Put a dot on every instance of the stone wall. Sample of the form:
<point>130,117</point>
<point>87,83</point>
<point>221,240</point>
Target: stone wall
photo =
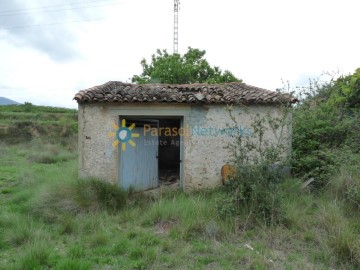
<point>204,152</point>
<point>97,157</point>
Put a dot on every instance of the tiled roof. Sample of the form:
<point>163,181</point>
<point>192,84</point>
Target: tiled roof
<point>226,93</point>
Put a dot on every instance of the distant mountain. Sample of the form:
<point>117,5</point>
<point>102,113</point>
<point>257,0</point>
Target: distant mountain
<point>6,101</point>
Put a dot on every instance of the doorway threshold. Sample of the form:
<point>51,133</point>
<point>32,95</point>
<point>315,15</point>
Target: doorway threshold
<point>162,188</point>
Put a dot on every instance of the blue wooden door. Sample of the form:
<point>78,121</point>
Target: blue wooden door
<point>139,164</point>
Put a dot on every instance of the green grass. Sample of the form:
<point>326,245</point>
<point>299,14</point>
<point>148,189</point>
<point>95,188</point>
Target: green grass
<point>50,219</point>
<point>22,123</point>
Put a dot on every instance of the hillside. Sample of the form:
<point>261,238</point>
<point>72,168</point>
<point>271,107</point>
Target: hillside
<point>6,101</point>
<point>52,219</point>
<point>21,123</point>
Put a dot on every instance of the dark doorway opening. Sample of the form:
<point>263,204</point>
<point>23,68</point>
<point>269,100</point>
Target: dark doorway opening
<point>169,151</point>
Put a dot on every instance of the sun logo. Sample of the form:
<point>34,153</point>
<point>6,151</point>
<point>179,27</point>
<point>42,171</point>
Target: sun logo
<point>123,135</point>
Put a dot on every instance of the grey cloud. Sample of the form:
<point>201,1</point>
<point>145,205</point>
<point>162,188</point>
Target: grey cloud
<point>55,40</point>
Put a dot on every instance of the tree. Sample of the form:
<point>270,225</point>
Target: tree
<point>346,91</point>
<point>192,67</point>
<point>326,128</point>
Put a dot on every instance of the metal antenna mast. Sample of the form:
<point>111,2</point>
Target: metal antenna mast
<point>176,25</point>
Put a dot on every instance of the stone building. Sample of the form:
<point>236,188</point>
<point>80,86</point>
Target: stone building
<point>142,136</point>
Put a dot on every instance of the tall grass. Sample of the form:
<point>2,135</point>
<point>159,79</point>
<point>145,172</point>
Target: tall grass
<point>346,185</point>
<point>78,197</point>
<point>188,216</point>
<point>50,219</point>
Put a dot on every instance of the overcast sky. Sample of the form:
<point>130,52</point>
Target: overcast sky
<point>51,49</point>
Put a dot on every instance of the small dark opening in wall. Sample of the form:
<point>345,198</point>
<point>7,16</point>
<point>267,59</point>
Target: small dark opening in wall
<point>169,151</point>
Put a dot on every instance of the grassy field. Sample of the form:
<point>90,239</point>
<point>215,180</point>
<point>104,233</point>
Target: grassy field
<point>21,123</point>
<point>50,219</point>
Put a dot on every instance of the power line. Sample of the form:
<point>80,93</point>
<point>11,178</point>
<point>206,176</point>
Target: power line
<point>59,10</point>
<point>45,7</point>
<point>49,24</point>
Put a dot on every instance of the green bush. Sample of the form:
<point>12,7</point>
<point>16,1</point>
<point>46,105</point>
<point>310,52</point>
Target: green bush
<point>261,165</point>
<point>255,191</point>
<point>346,91</point>
<point>319,164</point>
<point>325,123</point>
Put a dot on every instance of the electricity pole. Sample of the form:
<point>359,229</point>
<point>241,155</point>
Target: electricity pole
<point>176,25</point>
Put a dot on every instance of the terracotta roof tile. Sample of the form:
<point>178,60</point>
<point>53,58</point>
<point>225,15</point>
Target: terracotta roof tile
<point>118,92</point>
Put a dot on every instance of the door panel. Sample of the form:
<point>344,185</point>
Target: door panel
<point>139,164</point>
